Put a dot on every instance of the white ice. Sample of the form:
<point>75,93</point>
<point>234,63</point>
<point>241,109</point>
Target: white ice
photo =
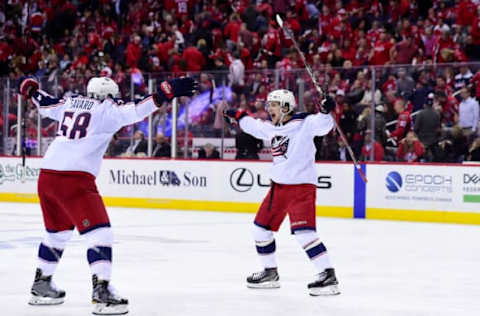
<point>195,263</point>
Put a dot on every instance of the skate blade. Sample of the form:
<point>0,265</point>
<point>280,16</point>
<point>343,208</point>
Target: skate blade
<point>105,309</point>
<point>325,291</point>
<point>39,300</point>
<point>264,285</point>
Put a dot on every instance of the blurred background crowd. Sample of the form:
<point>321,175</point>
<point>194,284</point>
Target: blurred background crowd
<point>405,74</point>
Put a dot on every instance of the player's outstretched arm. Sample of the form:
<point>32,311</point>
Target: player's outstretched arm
<point>321,123</point>
<point>47,104</point>
<point>117,116</point>
<point>178,87</point>
<point>255,127</point>
<point>233,116</point>
<point>28,86</point>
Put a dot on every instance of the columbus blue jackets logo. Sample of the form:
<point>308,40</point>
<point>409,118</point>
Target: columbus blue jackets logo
<point>279,146</point>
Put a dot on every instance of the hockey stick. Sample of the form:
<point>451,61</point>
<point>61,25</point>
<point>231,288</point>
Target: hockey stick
<point>24,102</point>
<point>320,91</point>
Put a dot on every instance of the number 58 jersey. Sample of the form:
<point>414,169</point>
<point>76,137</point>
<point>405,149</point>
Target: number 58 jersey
<point>85,128</point>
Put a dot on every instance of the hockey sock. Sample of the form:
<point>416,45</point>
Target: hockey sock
<point>51,249</point>
<point>314,248</point>
<point>265,244</point>
<point>99,253</point>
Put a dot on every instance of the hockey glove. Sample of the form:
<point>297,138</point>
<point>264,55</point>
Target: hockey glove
<point>175,88</point>
<point>28,86</point>
<point>328,104</point>
<point>233,116</point>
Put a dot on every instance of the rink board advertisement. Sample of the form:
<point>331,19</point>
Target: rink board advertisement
<point>424,192</point>
<point>186,184</point>
<point>222,185</point>
<point>435,193</point>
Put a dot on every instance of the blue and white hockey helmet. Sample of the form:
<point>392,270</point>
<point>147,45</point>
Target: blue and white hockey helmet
<point>102,87</point>
<point>284,97</point>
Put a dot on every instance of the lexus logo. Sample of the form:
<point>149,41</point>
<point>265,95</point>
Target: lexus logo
<point>241,180</point>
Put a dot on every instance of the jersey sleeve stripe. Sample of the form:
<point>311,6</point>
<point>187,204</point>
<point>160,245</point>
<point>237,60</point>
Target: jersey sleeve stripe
<point>45,100</point>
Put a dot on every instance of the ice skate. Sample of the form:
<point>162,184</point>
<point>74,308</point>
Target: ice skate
<point>44,291</point>
<point>266,279</point>
<point>326,284</point>
<point>105,301</point>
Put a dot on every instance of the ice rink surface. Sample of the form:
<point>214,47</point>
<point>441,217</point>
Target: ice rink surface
<point>176,263</point>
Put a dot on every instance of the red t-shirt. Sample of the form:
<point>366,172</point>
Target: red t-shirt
<point>231,30</point>
<point>194,59</point>
<point>133,55</point>
<point>381,52</point>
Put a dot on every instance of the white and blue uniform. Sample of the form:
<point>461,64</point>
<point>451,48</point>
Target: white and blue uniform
<point>293,149</point>
<point>86,126</point>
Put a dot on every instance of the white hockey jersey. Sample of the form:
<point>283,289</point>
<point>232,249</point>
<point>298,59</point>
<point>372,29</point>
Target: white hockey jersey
<point>85,128</point>
<point>293,149</point>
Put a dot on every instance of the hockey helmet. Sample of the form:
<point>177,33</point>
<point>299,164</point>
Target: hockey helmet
<point>102,87</point>
<point>284,97</point>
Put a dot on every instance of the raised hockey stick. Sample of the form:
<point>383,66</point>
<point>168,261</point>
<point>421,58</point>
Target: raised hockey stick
<point>23,132</point>
<point>320,91</point>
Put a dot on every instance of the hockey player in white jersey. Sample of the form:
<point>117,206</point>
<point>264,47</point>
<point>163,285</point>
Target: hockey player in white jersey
<point>66,186</point>
<point>293,186</point>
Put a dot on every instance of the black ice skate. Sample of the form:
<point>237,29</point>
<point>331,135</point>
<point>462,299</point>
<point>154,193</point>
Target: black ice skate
<point>266,279</point>
<point>105,301</point>
<point>326,284</point>
<point>44,291</point>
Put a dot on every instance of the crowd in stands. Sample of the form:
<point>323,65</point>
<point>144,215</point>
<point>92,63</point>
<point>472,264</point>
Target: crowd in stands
<point>433,96</point>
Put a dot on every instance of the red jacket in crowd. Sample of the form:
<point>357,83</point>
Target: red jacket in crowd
<point>134,52</point>
<point>403,126</point>
<point>194,58</point>
<point>466,11</point>
<point>378,152</point>
<point>412,154</point>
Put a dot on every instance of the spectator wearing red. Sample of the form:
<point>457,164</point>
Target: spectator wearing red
<point>232,29</point>
<point>292,24</point>
<point>403,120</point>
<point>476,29</point>
<point>380,54</point>
<point>134,52</point>
<point>390,84</point>
<point>378,151</point>
<point>339,26</point>
<point>475,81</point>
<point>194,58</point>
<point>340,104</point>
<point>324,21</point>
<point>404,51</point>
<point>271,45</point>
<point>163,49</point>
<point>466,10</point>
<point>264,6</point>
<point>349,50</point>
<point>373,34</point>
<point>410,148</point>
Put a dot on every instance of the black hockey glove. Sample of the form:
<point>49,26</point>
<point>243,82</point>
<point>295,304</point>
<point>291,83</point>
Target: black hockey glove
<point>27,87</point>
<point>233,116</point>
<point>327,105</point>
<point>175,88</point>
